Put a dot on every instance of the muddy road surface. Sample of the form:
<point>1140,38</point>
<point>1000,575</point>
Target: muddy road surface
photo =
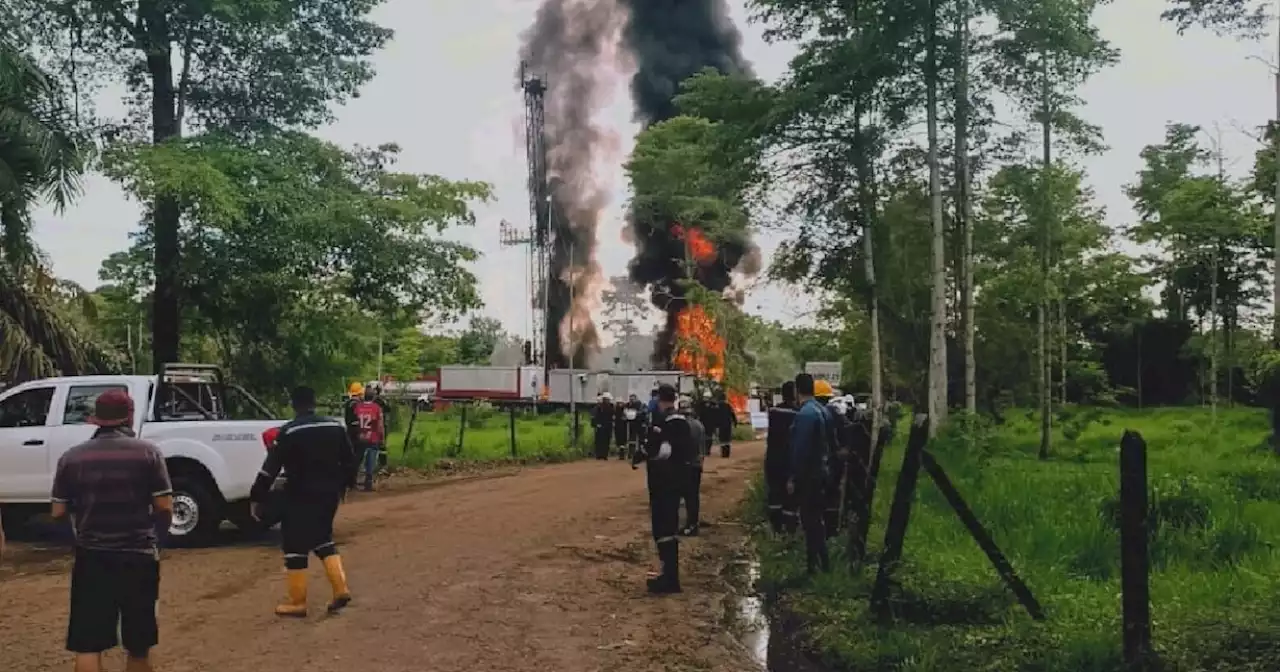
<point>541,569</point>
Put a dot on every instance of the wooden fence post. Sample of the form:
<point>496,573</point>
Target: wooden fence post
<point>462,430</point>
<point>404,452</point>
<point>980,535</point>
<point>511,410</point>
<point>1134,559</point>
<point>899,515</point>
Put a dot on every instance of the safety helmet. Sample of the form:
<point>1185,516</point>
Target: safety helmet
<point>838,405</point>
<point>606,397</point>
<point>685,402</point>
<point>822,388</point>
<point>356,389</point>
<point>706,394</point>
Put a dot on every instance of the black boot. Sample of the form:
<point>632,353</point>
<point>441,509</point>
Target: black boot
<point>724,450</point>
<point>669,580</point>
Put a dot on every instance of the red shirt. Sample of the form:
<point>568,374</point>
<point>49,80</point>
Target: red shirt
<point>369,416</point>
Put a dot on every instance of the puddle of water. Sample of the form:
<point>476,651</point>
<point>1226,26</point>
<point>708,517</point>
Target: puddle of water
<point>755,622</point>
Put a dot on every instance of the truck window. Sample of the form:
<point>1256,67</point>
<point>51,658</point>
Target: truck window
<point>29,408</point>
<point>80,400</point>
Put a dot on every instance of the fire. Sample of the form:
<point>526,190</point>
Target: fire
<point>701,249</point>
<point>700,349</point>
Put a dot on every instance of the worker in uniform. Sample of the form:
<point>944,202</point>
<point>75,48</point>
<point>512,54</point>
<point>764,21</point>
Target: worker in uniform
<point>725,420</point>
<point>777,462</point>
<point>355,395</point>
<point>633,421</point>
<point>602,422</point>
<point>371,437</point>
<point>317,454</point>
<point>810,446</point>
<point>667,453</point>
<point>692,494</point>
<point>840,439</point>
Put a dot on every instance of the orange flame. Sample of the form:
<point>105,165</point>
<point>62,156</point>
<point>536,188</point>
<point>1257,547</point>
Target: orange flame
<point>699,349</point>
<point>701,249</point>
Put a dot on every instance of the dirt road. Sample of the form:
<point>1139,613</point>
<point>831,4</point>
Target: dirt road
<point>537,570</point>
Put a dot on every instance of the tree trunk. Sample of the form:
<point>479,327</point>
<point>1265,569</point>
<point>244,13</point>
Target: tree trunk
<point>1046,401</point>
<point>1275,278</point>
<point>937,392</point>
<point>166,212</point>
<point>1062,349</point>
<point>867,213</point>
<point>964,208</point>
<point>1213,337</point>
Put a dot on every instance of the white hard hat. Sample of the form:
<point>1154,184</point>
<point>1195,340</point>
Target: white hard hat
<point>606,396</point>
<point>685,401</point>
<point>706,394</point>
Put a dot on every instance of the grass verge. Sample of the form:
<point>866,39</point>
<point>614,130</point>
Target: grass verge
<point>485,437</point>
<point>1215,499</point>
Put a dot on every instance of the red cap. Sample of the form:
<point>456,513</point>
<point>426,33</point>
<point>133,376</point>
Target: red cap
<point>113,408</point>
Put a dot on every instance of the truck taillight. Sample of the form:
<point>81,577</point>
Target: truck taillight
<point>269,437</point>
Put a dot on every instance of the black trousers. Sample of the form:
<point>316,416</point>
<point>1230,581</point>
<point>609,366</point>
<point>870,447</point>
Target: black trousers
<point>664,513</point>
<point>113,602</point>
<point>692,496</point>
<point>602,442</point>
<point>812,508</point>
<point>308,527</point>
<point>782,506</point>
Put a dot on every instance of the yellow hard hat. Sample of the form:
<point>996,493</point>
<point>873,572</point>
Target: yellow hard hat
<point>356,389</point>
<point>822,388</point>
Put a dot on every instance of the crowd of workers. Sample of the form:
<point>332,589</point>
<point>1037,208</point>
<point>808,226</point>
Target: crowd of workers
<point>116,490</point>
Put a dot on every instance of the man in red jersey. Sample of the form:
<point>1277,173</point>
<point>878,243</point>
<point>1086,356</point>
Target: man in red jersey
<point>370,435</point>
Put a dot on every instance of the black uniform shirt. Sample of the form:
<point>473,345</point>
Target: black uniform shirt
<point>777,452</point>
<point>315,451</point>
<point>670,442</point>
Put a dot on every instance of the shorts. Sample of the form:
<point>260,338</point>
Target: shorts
<point>114,595</point>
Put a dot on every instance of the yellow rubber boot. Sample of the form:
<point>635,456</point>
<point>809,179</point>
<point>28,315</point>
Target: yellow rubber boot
<point>338,580</point>
<point>296,605</point>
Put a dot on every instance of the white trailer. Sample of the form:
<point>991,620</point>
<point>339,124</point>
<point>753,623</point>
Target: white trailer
<point>499,383</point>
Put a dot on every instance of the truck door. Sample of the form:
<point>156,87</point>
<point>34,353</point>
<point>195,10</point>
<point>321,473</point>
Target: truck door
<point>24,453</point>
<point>69,423</point>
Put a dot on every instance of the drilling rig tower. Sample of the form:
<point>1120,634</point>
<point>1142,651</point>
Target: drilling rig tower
<point>540,236</point>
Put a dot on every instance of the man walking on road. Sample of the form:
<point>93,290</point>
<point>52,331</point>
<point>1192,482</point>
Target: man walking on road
<point>116,490</point>
<point>371,435</point>
<point>667,452</point>
<point>810,443</point>
<point>692,494</point>
<point>317,455</point>
<point>783,516</point>
<point>602,417</point>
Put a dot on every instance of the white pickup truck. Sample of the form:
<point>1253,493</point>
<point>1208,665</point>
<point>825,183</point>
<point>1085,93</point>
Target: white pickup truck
<point>186,411</point>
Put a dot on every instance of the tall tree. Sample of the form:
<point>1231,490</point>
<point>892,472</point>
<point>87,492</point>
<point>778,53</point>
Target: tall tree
<point>1044,52</point>
<point>296,245</point>
<point>236,66</point>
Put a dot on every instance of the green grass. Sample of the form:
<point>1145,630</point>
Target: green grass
<point>1215,582</point>
<point>487,437</point>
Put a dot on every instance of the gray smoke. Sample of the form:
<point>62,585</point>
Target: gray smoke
<point>572,44</point>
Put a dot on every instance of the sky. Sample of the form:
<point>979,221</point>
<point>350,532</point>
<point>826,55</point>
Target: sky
<point>446,92</point>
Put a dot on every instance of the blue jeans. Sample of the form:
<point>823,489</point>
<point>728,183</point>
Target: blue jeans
<point>370,464</point>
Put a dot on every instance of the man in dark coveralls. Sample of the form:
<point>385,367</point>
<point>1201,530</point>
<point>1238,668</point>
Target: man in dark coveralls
<point>810,446</point>
<point>667,453</point>
<point>602,419</point>
<point>316,454</point>
<point>777,462</point>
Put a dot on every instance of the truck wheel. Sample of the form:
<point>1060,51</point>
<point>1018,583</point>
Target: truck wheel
<point>196,514</point>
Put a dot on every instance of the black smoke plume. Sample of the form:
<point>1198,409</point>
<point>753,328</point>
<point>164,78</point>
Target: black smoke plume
<point>571,45</point>
<point>672,40</point>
